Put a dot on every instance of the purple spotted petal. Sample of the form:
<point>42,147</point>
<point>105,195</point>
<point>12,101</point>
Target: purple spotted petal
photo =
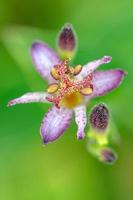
<point>106,81</point>
<point>44,58</point>
<point>29,98</point>
<point>91,66</point>
<point>80,118</point>
<point>55,123</point>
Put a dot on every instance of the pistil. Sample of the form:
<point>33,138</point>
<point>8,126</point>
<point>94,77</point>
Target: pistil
<point>67,87</point>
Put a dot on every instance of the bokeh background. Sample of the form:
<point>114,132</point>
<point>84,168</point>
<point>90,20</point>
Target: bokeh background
<point>64,169</point>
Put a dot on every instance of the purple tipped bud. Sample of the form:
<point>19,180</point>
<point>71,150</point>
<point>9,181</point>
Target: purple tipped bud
<point>108,156</point>
<point>99,117</point>
<point>67,39</point>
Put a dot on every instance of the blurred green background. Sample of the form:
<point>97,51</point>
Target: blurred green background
<point>64,169</point>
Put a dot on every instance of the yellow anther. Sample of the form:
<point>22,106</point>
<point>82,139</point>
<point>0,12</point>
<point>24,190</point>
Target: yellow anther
<point>54,73</point>
<point>86,91</point>
<point>77,69</point>
<point>52,88</point>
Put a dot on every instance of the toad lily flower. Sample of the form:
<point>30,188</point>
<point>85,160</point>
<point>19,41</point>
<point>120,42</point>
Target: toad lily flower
<point>70,88</point>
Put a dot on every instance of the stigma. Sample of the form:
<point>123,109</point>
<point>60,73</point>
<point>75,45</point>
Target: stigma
<point>67,90</point>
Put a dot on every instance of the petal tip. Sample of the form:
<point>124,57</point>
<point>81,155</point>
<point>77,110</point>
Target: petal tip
<point>44,139</point>
<point>80,135</point>
<point>10,103</point>
<point>35,45</point>
<point>45,142</point>
<point>107,59</point>
<point>40,46</point>
<point>121,74</point>
<point>34,49</point>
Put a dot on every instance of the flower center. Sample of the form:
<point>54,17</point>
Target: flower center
<point>68,91</point>
<point>72,100</point>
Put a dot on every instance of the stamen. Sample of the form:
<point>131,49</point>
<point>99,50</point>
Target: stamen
<point>52,88</point>
<point>77,69</point>
<point>54,73</point>
<point>86,91</point>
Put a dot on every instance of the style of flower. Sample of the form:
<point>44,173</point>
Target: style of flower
<point>70,88</point>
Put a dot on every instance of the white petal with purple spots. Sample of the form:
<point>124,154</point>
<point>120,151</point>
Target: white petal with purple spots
<point>91,66</point>
<point>30,97</point>
<point>81,120</point>
<point>106,81</point>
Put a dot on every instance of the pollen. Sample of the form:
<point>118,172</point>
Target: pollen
<point>67,90</point>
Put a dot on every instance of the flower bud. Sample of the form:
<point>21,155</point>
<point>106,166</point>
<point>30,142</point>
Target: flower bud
<point>103,153</point>
<point>107,156</point>
<point>99,118</point>
<point>67,42</point>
